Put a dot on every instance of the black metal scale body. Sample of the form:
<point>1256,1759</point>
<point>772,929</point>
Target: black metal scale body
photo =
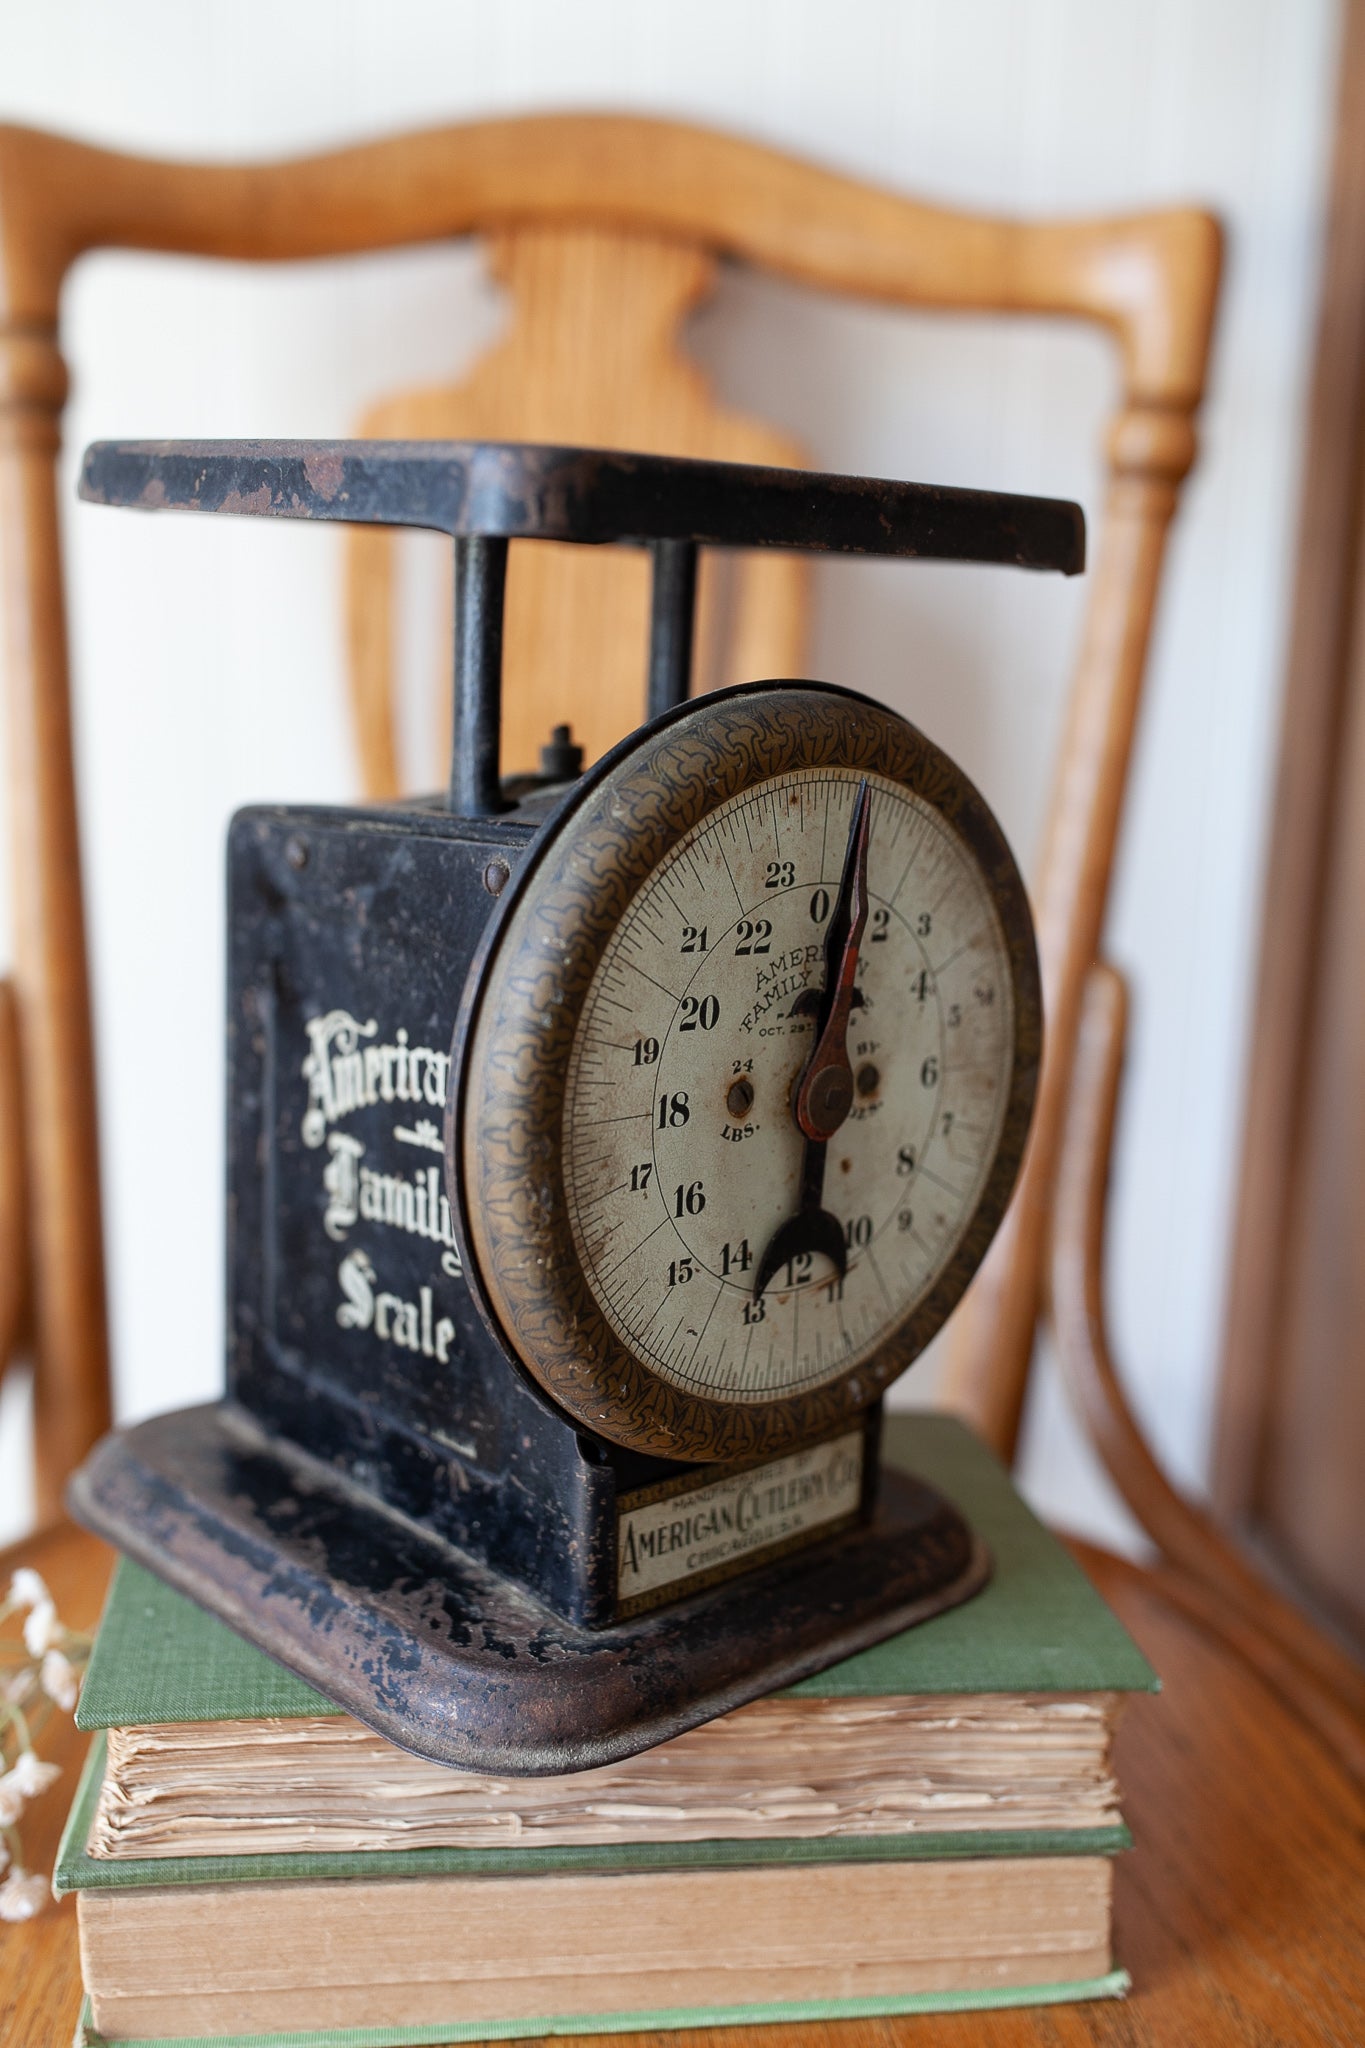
<point>385,1500</point>
<point>378,916</point>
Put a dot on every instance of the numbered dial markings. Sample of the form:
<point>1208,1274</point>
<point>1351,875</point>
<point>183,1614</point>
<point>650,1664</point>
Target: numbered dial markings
<point>682,1154</point>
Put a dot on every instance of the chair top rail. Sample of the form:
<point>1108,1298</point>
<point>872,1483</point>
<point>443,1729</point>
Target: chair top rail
<point>1150,277</point>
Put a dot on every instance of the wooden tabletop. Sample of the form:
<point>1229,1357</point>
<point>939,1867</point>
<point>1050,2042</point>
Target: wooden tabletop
<point>1240,1911</point>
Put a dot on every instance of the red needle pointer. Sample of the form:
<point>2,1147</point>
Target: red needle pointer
<point>823,1094</point>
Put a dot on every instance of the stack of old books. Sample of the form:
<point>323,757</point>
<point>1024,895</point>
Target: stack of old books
<point>927,1826</point>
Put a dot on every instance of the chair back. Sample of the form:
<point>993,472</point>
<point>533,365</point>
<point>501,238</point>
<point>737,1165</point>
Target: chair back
<point>590,357</point>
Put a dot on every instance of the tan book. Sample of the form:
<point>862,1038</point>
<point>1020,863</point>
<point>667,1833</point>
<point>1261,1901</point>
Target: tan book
<point>993,1721</point>
<point>781,1769</point>
<point>262,1959</point>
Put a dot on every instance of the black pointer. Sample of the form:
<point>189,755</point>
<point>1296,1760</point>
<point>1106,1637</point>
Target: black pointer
<point>823,1093</point>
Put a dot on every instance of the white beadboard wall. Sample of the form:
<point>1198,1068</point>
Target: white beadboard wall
<point>208,655</point>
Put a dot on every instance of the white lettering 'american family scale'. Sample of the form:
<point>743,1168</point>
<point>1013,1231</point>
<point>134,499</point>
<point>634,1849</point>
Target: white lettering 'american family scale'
<point>345,1073</point>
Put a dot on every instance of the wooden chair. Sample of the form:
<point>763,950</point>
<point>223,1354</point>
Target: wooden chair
<point>606,230</point>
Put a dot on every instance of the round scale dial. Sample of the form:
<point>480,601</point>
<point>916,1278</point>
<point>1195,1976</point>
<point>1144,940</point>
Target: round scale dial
<point>747,1073</point>
<point>683,1158</point>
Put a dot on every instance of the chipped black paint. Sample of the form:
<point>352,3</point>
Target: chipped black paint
<point>445,1657</point>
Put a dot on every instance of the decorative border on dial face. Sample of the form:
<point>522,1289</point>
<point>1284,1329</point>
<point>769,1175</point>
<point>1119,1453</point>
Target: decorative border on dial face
<point>527,990</point>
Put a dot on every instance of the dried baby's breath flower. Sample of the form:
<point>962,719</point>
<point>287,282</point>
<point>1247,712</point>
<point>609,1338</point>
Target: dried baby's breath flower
<point>59,1679</point>
<point>19,1687</point>
<point>47,1668</point>
<point>27,1588</point>
<point>42,1630</point>
<point>30,1775</point>
<point>22,1894</point>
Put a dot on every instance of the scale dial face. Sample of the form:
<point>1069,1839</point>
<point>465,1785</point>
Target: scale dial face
<point>747,1073</point>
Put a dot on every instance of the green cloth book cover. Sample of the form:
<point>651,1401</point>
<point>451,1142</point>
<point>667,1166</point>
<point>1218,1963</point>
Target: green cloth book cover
<point>669,2019</point>
<point>1038,1626</point>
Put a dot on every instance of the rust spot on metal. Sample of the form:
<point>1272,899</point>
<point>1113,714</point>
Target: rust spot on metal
<point>248,501</point>
<point>325,471</point>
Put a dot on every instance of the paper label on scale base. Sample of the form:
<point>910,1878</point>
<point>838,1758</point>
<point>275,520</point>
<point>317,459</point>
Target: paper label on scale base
<point>714,1529</point>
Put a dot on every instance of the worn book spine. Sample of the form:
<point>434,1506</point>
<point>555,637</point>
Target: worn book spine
<point>667,2019</point>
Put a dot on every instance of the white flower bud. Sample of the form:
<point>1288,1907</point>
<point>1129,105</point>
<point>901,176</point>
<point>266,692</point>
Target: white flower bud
<point>23,1894</point>
<point>42,1630</point>
<point>11,1802</point>
<point>31,1776</point>
<point>59,1680</point>
<point>26,1588</point>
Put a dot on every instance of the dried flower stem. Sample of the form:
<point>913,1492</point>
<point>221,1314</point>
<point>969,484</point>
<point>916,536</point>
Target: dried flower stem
<point>41,1670</point>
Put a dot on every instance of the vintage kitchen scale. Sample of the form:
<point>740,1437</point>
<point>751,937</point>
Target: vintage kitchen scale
<point>601,1146</point>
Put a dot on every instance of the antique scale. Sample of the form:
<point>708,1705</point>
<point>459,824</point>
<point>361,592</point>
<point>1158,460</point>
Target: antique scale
<point>601,1146</point>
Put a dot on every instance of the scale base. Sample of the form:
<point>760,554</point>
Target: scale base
<point>447,1659</point>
